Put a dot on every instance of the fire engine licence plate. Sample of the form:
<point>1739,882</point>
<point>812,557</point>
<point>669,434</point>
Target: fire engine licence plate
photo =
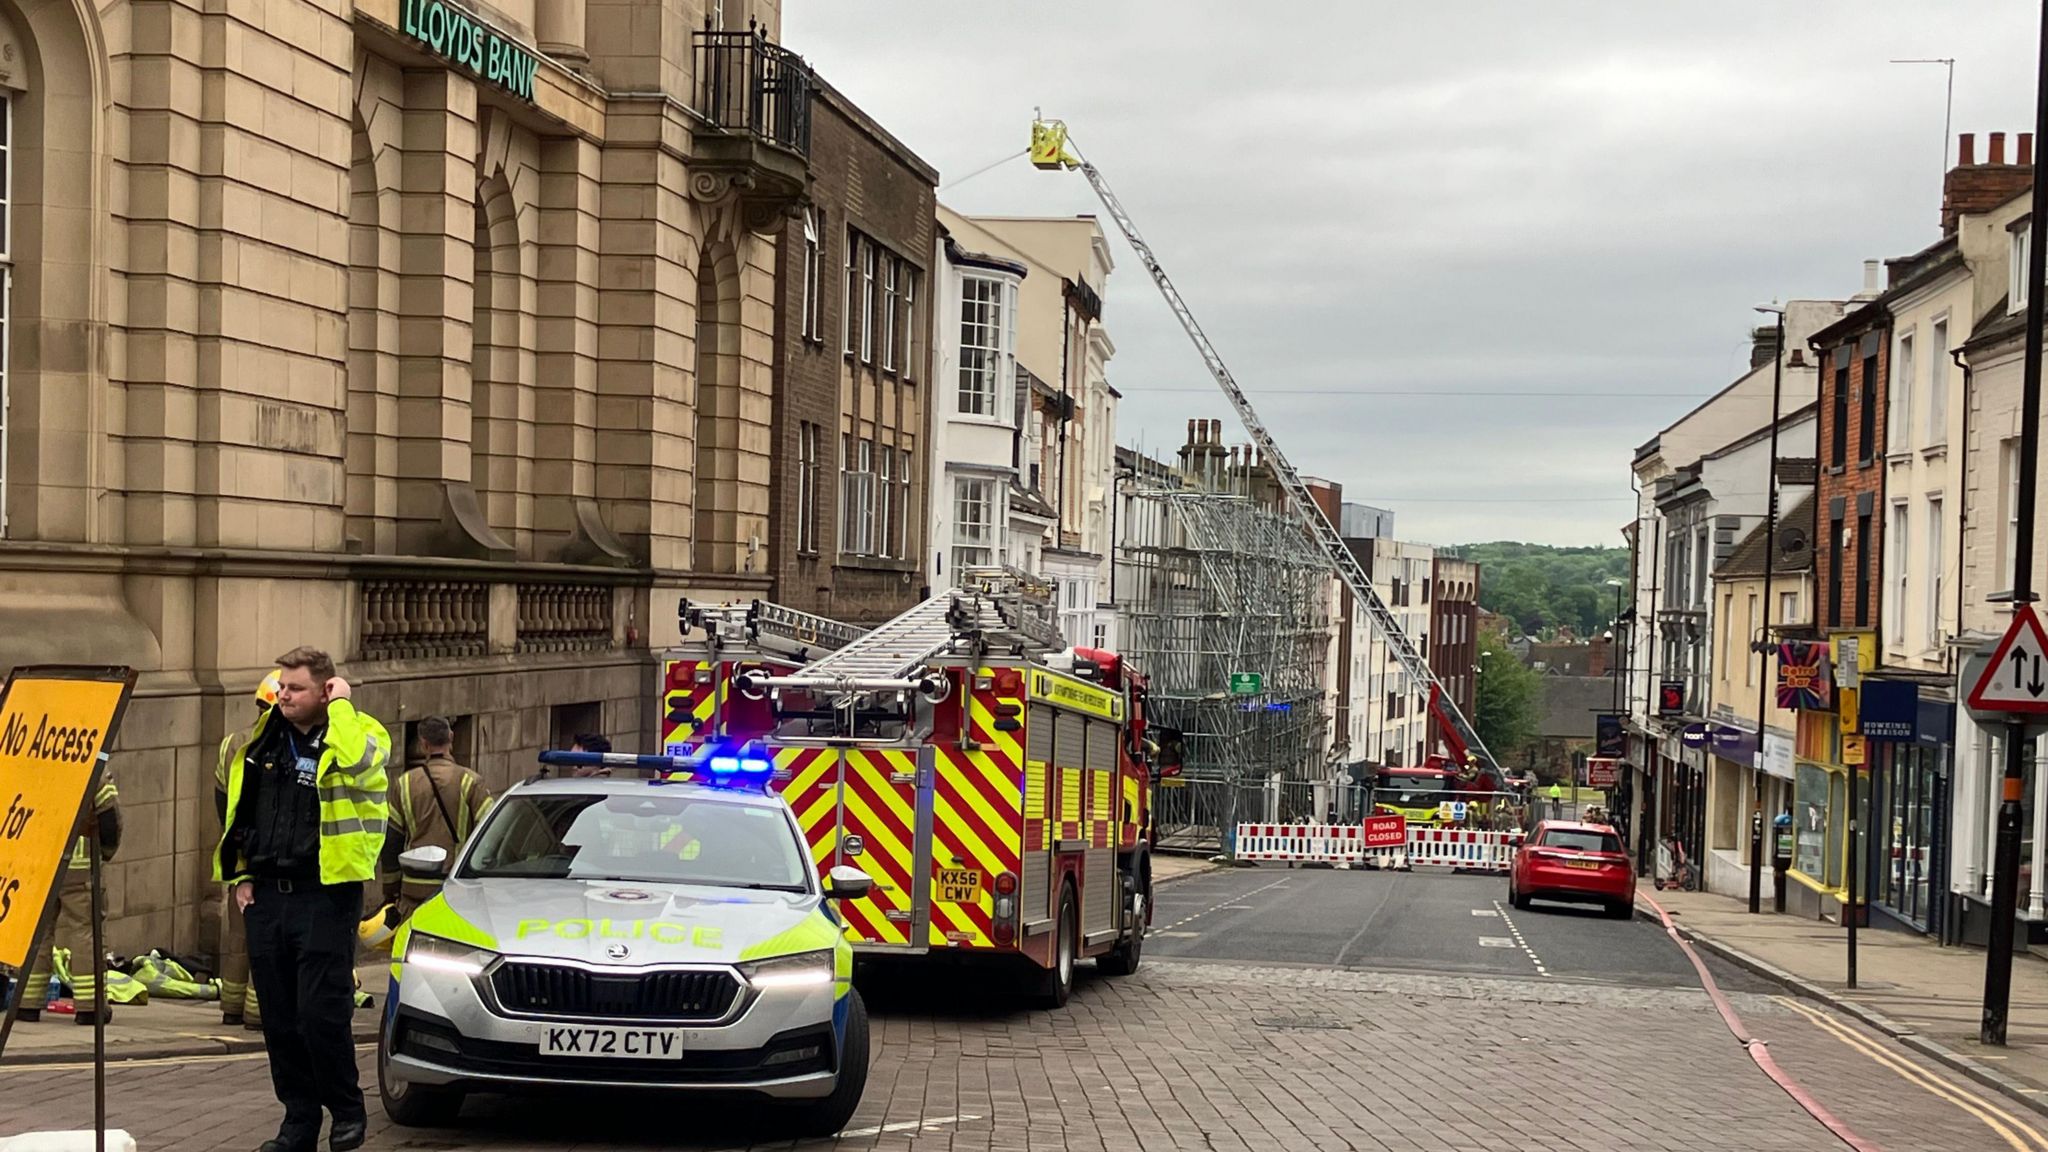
<point>959,885</point>
<point>617,1043</point>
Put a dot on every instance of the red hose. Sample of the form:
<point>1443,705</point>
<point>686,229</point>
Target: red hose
<point>1757,1049</point>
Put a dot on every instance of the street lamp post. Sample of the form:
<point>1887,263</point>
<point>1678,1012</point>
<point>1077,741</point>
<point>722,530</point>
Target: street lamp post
<point>1762,642</point>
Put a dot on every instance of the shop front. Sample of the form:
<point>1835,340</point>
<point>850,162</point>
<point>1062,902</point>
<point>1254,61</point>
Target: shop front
<point>1912,732</point>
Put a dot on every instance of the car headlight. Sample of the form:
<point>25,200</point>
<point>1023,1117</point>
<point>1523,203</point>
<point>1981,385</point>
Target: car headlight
<point>438,955</point>
<point>803,970</point>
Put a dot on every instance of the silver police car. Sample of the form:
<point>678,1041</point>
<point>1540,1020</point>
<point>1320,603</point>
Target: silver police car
<point>652,934</point>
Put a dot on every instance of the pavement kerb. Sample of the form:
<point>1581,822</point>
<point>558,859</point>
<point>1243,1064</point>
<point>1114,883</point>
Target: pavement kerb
<point>1162,881</point>
<point>2033,1098</point>
<point>168,1050</point>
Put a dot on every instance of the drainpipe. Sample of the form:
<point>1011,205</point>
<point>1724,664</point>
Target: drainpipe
<point>1948,911</point>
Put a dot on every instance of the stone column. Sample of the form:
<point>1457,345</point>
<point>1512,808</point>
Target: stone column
<point>437,507</point>
<point>559,29</point>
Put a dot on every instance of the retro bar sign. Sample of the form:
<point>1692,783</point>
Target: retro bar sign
<point>463,39</point>
<point>1804,676</point>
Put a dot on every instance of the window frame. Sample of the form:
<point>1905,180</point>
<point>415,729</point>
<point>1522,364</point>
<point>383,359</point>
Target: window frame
<point>909,369</point>
<point>1935,545</point>
<point>1899,417</point>
<point>1899,537</point>
<point>851,285</point>
<point>814,255</point>
<point>885,458</point>
<point>904,464</point>
<point>807,489</point>
<point>891,299</point>
<point>1939,368</point>
<point>977,533</point>
<point>869,256</point>
<point>1863,523</point>
<point>986,373</point>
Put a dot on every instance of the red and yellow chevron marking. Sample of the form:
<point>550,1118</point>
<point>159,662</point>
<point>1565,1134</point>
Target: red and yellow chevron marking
<point>883,813</point>
<point>1072,817</point>
<point>978,802</point>
<point>1127,820</point>
<point>686,705</point>
<point>808,779</point>
<point>1099,813</point>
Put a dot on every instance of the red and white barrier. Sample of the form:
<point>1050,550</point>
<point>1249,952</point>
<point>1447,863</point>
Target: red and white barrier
<point>1302,843</point>
<point>1467,849</point>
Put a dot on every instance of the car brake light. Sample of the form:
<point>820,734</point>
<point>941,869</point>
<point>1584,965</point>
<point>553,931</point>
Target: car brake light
<point>1006,883</point>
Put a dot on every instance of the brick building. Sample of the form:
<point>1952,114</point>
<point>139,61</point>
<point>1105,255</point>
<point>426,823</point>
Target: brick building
<point>321,329</point>
<point>852,353</point>
<point>1454,630</point>
<point>1853,354</point>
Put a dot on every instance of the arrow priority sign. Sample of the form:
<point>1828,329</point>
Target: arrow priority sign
<point>2016,679</point>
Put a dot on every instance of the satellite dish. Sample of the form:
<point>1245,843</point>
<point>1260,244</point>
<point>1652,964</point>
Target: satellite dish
<point>1792,541</point>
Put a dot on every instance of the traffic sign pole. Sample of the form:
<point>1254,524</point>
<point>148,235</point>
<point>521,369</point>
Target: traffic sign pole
<point>2005,876</point>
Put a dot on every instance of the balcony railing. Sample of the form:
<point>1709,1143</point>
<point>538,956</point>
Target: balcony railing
<point>424,618</point>
<point>746,83</point>
<point>564,617</point>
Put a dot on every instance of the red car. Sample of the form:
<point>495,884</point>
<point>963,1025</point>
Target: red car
<point>1574,863</point>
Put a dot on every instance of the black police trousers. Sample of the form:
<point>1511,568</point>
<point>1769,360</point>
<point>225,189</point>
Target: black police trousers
<point>302,954</point>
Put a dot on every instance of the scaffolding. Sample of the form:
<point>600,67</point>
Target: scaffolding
<point>1211,585</point>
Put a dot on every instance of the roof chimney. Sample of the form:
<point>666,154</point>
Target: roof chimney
<point>1971,188</point>
<point>1763,345</point>
<point>1873,271</point>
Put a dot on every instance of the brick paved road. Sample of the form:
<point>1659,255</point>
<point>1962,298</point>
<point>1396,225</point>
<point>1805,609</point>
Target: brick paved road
<point>1277,1052</point>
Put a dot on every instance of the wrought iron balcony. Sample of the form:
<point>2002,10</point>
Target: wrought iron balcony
<point>755,98</point>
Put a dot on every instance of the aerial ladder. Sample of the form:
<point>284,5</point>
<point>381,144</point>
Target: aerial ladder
<point>695,697</point>
<point>1051,150</point>
<point>994,609</point>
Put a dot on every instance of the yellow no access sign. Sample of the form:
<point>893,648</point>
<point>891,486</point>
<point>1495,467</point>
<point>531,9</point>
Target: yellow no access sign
<point>54,722</point>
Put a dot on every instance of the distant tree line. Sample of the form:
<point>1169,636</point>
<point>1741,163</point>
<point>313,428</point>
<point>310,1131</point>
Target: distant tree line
<point>1542,588</point>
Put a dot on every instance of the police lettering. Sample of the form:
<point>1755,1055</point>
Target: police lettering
<point>659,931</point>
<point>59,742</point>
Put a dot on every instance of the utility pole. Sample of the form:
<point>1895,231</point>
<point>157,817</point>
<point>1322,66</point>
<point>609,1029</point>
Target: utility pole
<point>1763,639</point>
<point>2005,876</point>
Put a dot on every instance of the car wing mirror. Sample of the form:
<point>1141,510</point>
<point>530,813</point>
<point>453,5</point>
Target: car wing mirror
<point>428,863</point>
<point>848,883</point>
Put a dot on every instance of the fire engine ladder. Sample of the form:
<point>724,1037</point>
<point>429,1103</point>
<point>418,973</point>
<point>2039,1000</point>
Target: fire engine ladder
<point>768,628</point>
<point>1049,150</point>
<point>995,608</point>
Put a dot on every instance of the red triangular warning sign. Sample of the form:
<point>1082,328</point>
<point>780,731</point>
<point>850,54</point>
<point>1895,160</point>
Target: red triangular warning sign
<point>2016,680</point>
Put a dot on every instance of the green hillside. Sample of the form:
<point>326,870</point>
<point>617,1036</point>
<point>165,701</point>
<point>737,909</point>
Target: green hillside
<point>1542,588</point>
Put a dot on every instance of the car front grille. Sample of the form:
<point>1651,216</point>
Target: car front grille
<point>559,990</point>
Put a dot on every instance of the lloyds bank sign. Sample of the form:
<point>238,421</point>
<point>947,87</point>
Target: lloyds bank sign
<point>464,40</point>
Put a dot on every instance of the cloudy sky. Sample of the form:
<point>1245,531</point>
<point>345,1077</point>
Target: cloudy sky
<point>1466,255</point>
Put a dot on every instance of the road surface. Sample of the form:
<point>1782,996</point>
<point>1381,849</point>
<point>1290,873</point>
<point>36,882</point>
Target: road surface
<point>1276,1011</point>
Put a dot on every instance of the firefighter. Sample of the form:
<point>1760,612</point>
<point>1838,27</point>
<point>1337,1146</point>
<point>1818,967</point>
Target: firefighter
<point>237,996</point>
<point>308,801</point>
<point>74,919</point>
<point>436,804</point>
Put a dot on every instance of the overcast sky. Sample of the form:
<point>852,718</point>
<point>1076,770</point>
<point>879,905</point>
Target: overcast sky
<point>1410,208</point>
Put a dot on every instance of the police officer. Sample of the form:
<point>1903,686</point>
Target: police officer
<point>239,1004</point>
<point>306,815</point>
<point>438,804</point>
<point>74,920</point>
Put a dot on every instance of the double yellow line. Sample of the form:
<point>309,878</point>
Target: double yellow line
<point>2017,1133</point>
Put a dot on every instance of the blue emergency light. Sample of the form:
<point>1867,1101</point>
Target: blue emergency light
<point>723,769</point>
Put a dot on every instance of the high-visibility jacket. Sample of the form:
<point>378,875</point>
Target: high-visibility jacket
<point>106,804</point>
<point>355,804</point>
<point>427,799</point>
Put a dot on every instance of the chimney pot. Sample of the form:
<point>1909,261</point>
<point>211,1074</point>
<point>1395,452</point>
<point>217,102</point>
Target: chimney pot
<point>1872,271</point>
<point>2026,155</point>
<point>1191,431</point>
<point>1966,149</point>
<point>1997,149</point>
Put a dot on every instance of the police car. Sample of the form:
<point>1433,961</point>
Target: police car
<point>667,934</point>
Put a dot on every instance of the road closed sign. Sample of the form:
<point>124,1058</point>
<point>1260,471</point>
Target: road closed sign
<point>1385,831</point>
<point>54,722</point>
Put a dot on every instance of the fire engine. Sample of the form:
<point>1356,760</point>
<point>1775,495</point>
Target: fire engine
<point>995,784</point>
<point>696,700</point>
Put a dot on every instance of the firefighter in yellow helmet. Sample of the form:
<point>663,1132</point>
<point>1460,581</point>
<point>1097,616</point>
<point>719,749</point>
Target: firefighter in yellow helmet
<point>74,919</point>
<point>238,996</point>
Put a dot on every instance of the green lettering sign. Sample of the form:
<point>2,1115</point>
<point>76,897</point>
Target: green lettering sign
<point>464,40</point>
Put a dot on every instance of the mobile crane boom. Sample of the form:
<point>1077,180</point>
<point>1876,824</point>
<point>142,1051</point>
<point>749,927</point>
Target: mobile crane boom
<point>1050,151</point>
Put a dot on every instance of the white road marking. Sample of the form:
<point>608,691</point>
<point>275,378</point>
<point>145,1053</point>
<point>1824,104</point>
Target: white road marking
<point>924,1125</point>
<point>1226,904</point>
<point>1496,942</point>
<point>1484,912</point>
<point>1177,935</point>
<point>1520,939</point>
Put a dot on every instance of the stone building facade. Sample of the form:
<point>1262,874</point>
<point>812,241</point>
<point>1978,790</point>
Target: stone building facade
<point>438,336</point>
<point>854,359</point>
